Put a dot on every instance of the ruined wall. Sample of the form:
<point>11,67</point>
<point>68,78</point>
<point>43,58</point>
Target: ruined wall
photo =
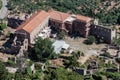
<point>105,33</point>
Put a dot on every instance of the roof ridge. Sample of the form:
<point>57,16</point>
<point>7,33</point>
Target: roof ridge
<point>27,20</point>
<point>33,21</point>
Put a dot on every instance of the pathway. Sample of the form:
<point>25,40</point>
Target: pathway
<point>4,9</point>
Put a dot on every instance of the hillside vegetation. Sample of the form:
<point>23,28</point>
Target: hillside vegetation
<point>107,11</point>
<point>0,4</point>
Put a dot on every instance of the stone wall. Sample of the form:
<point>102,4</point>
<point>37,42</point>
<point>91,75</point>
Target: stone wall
<point>81,28</point>
<point>105,33</point>
<point>34,34</point>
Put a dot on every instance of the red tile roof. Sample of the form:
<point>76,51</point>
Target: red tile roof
<point>34,21</point>
<point>83,18</point>
<point>39,17</point>
<point>60,16</point>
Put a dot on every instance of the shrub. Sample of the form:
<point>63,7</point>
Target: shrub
<point>3,26</point>
<point>11,63</point>
<point>90,40</point>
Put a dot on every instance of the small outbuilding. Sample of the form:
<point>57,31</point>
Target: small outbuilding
<point>59,45</point>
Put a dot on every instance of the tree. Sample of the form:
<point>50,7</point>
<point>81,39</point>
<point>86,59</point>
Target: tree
<point>117,42</point>
<point>97,77</point>
<point>62,74</point>
<point>114,76</point>
<point>105,16</point>
<point>107,54</point>
<point>71,62</point>
<point>3,25</point>
<point>82,54</point>
<point>118,61</point>
<point>29,75</point>
<point>91,40</point>
<point>4,75</point>
<point>61,35</point>
<point>19,76</point>
<point>42,50</point>
<point>118,21</point>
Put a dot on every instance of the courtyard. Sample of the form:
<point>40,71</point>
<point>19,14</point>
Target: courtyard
<point>89,50</point>
<point>77,44</point>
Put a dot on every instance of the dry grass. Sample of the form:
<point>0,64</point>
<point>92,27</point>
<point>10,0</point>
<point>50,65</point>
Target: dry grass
<point>77,44</point>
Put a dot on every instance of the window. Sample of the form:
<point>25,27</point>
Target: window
<point>25,47</point>
<point>25,41</point>
<point>59,24</point>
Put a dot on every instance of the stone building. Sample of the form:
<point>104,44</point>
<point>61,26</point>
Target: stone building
<point>104,33</point>
<point>71,24</point>
<point>33,26</point>
<point>57,20</point>
<point>26,33</point>
<point>81,25</point>
<point>40,23</point>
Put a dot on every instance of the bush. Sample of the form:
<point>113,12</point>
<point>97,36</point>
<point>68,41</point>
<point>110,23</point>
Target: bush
<point>3,26</point>
<point>107,54</point>
<point>97,77</point>
<point>38,66</point>
<point>11,63</point>
<point>61,35</point>
<point>90,40</point>
<point>82,54</point>
<point>66,63</point>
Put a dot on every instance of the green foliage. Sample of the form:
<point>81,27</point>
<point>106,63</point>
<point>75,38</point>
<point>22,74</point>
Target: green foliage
<point>61,35</point>
<point>107,54</point>
<point>3,26</point>
<point>116,41</point>
<point>19,76</point>
<point>42,50</point>
<point>61,74</point>
<point>11,63</point>
<point>110,65</point>
<point>38,66</point>
<point>32,76</point>
<point>114,76</point>
<point>29,72</point>
<point>4,75</point>
<point>82,54</point>
<point>94,8</point>
<point>118,19</point>
<point>71,62</point>
<point>90,40</point>
<point>3,71</point>
<point>0,4</point>
<point>97,77</point>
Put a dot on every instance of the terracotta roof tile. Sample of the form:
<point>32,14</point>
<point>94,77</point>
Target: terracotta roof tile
<point>60,16</point>
<point>83,18</point>
<point>34,21</point>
